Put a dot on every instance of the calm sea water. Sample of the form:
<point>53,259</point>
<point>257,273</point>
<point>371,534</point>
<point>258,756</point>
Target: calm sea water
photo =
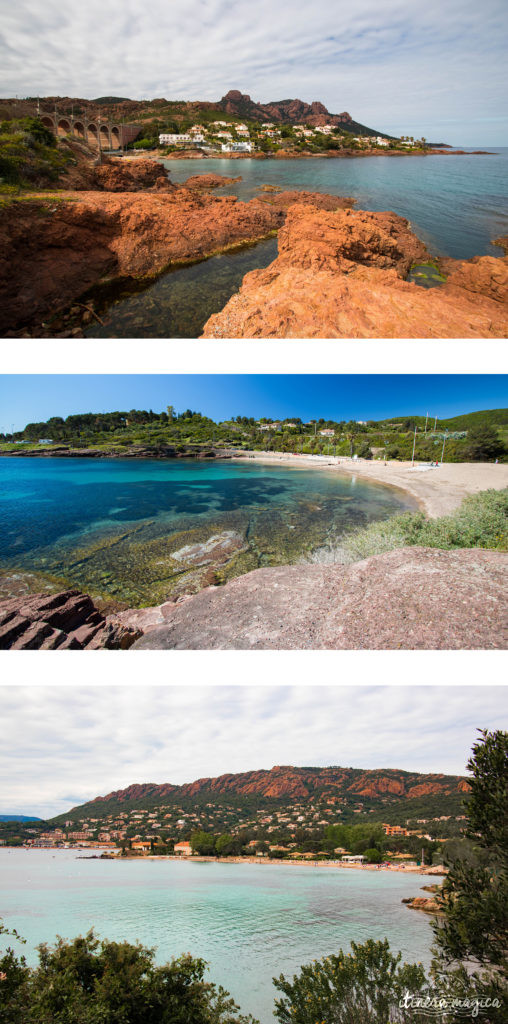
<point>111,525</point>
<point>250,922</point>
<point>456,204</point>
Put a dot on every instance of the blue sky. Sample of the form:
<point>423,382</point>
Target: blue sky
<point>62,745</point>
<point>28,398</point>
<point>436,69</point>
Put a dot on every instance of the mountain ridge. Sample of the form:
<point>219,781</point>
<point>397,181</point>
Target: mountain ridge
<point>290,111</point>
<point>289,783</point>
<point>234,103</point>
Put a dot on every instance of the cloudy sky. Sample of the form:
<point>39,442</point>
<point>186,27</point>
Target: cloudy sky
<point>436,69</point>
<point>62,746</point>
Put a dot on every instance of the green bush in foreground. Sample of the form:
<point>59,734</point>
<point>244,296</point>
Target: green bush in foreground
<point>87,981</point>
<point>480,522</point>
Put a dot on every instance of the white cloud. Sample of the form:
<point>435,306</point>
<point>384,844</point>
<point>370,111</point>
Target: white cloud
<point>62,746</point>
<point>392,65</point>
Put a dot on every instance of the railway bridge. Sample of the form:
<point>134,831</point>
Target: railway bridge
<point>95,132</point>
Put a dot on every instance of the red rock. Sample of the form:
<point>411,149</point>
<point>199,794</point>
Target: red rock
<point>51,252</point>
<point>126,175</point>
<point>287,781</point>
<point>65,621</point>
<point>11,630</point>
<point>209,181</point>
<point>410,598</point>
<point>340,275</point>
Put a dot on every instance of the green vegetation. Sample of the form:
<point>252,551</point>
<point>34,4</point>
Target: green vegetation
<point>478,436</point>
<point>29,155</point>
<point>367,986</point>
<point>474,894</point>
<point>480,522</point>
<point>87,981</point>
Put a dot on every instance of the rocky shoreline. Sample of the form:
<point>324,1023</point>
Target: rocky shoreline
<point>306,154</point>
<point>400,600</point>
<point>125,225</point>
<point>340,272</point>
<point>67,621</point>
<point>134,451</point>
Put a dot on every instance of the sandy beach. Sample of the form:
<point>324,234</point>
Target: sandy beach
<point>407,868</point>
<point>438,491</point>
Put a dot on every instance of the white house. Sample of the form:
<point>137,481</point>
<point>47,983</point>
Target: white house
<point>327,433</point>
<point>237,147</point>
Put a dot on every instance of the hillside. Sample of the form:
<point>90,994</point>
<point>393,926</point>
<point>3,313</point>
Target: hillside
<point>238,106</point>
<point>284,785</point>
<point>120,430</point>
<point>467,420</point>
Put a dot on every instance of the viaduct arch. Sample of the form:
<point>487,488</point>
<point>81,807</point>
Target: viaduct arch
<point>91,130</point>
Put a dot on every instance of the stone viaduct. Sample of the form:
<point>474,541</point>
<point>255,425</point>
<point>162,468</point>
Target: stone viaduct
<point>92,131</point>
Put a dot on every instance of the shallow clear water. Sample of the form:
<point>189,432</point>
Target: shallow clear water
<point>112,525</point>
<point>180,302</point>
<point>456,204</point>
<point>250,922</point>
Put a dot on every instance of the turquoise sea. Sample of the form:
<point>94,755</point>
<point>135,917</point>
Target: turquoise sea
<point>249,921</point>
<point>456,204</point>
<point>111,526</point>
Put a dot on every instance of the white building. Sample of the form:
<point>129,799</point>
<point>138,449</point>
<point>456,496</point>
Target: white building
<point>180,140</point>
<point>237,147</point>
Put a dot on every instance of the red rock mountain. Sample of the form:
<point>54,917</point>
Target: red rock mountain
<point>289,783</point>
<point>289,112</point>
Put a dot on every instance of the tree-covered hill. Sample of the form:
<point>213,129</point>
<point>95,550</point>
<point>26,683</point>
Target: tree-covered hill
<point>476,436</point>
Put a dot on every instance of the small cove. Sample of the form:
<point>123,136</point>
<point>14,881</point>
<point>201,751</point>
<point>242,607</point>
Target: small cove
<point>248,921</point>
<point>136,531</point>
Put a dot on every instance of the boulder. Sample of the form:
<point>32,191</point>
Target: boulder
<point>411,598</point>
<point>341,274</point>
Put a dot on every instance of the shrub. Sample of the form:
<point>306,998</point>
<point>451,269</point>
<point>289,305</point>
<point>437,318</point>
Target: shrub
<point>362,987</point>
<point>89,981</point>
<point>480,522</point>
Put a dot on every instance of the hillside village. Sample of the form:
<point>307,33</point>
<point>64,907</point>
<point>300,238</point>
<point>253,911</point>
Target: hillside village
<point>327,828</point>
<point>231,137</point>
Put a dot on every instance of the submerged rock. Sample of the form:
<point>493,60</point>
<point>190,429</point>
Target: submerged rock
<point>217,549</point>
